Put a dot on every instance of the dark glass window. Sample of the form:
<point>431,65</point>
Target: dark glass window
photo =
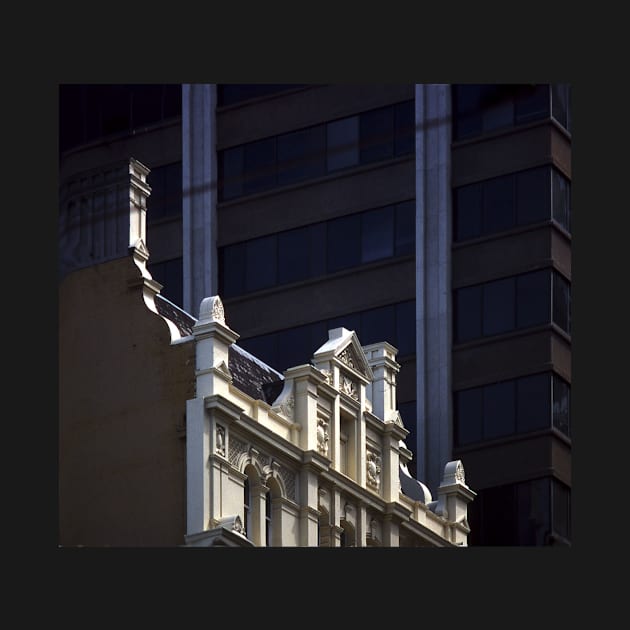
<point>512,514</point>
<point>232,167</point>
<point>483,108</point>
<point>170,275</point>
<point>264,347</point>
<point>172,100</point>
<point>377,234</point>
<point>533,299</point>
<point>301,155</point>
<point>498,204</point>
<point>146,104</point>
<point>469,416</point>
<point>560,104</point>
<point>499,410</point>
<point>468,313</point>
<point>408,414</point>
<point>260,265</point>
<point>561,200</point>
<point>510,303</point>
<point>467,110</point>
<point>405,339</point>
<point>501,203</point>
<point>532,103</point>
<point>351,321</point>
<point>500,517</point>
<point>405,236</point>
<point>497,107</point>
<point>533,396</point>
<point>342,143</point>
<point>561,507</point>
<point>166,191</point>
<point>405,128</point>
<point>296,345</point>
<point>498,307</point>
<point>232,264</point>
<point>343,242</point>
<point>468,211</point>
<point>231,93</point>
<point>294,255</point>
<point>533,199</point>
<point>532,511</point>
<point>561,302</point>
<point>561,405</point>
<point>377,135</point>
<point>378,324</point>
<point>260,165</point>
<point>116,108</point>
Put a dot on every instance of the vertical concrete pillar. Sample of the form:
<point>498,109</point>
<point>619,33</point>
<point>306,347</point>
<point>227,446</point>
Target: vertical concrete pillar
<point>433,279</point>
<point>199,189</point>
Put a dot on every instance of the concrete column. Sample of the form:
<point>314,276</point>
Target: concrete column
<point>212,341</point>
<point>309,514</point>
<point>306,379</point>
<point>391,532</point>
<point>362,525</point>
<point>197,474</point>
<point>199,189</point>
<point>433,279</point>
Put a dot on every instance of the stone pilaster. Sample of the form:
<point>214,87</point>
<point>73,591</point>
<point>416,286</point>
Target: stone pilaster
<point>213,338</point>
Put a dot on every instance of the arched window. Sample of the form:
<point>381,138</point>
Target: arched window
<point>273,514</point>
<point>268,520</point>
<point>247,506</point>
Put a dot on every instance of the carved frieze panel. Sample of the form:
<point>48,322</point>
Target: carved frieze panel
<point>348,386</point>
<point>373,469</point>
<point>322,436</point>
<point>220,440</point>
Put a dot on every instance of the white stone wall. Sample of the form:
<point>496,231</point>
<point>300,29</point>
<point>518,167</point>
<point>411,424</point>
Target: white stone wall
<point>290,449</point>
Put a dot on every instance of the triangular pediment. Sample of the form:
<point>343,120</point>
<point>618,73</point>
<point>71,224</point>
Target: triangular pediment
<point>344,345</point>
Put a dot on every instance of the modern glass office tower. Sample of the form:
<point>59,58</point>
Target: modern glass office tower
<point>435,217</point>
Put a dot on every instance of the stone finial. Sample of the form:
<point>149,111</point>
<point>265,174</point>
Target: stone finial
<point>232,523</point>
<point>211,310</point>
<point>454,473</point>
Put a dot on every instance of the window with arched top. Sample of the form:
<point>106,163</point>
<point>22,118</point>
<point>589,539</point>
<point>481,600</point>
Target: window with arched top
<point>254,505</point>
<point>273,514</point>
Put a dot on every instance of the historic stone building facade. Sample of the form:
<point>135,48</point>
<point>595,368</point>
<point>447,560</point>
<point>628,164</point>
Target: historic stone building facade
<point>171,434</point>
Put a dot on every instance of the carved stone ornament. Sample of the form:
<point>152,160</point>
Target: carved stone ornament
<point>328,375</point>
<point>349,387</point>
<point>347,358</point>
<point>373,469</point>
<point>288,407</point>
<point>217,310</point>
<point>459,473</point>
<point>322,436</point>
<point>220,445</point>
<point>211,310</point>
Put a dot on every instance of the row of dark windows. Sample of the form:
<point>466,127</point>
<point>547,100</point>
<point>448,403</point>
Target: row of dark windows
<point>170,275</point>
<point>317,249</point>
<point>283,349</point>
<point>165,199</point>
<point>482,108</point>
<point>528,513</point>
<point>505,202</point>
<point>522,405</point>
<point>517,302</point>
<point>231,93</point>
<point>314,151</point>
<point>89,112</point>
